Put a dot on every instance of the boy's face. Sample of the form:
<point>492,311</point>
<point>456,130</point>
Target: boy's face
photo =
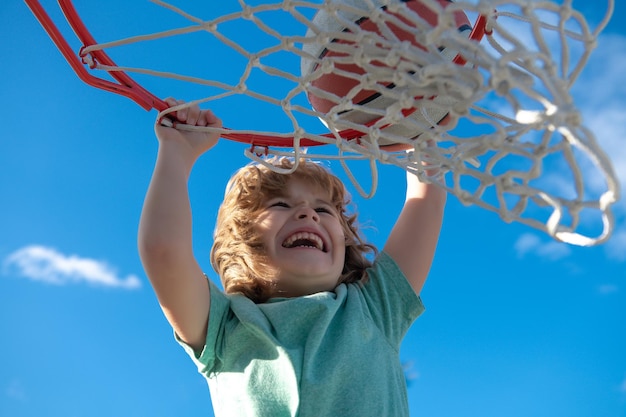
<point>304,240</point>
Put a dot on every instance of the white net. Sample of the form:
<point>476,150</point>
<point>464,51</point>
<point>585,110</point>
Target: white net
<point>500,124</point>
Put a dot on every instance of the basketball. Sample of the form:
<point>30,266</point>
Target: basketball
<point>346,74</point>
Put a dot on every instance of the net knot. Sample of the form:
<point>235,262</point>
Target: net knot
<point>567,115</point>
<point>247,12</point>
<point>287,5</point>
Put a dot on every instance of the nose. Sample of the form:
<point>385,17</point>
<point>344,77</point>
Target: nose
<point>307,212</point>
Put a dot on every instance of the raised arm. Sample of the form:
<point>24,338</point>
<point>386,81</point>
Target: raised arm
<point>165,230</point>
<point>414,237</point>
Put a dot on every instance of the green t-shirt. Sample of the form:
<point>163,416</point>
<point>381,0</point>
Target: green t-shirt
<point>328,354</point>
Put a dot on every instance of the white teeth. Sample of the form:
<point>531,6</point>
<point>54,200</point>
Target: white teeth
<point>310,237</point>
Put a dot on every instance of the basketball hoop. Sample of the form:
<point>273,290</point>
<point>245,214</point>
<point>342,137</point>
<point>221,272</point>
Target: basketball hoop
<point>478,89</point>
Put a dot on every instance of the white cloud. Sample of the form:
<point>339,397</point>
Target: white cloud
<point>526,243</point>
<point>616,246</point>
<point>531,244</point>
<point>15,391</point>
<point>44,264</point>
<point>410,374</point>
<point>606,289</point>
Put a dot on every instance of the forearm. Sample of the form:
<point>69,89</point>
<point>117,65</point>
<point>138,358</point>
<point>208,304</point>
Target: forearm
<point>414,238</point>
<point>165,228</point>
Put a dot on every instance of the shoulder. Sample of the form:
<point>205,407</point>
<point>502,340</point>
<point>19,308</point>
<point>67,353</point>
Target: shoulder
<point>387,287</point>
<point>386,274</point>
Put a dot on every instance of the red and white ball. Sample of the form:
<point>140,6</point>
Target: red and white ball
<point>345,73</point>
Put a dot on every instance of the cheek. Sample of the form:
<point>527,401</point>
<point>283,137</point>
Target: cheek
<point>264,225</point>
<point>348,236</point>
<point>260,232</point>
<point>262,221</point>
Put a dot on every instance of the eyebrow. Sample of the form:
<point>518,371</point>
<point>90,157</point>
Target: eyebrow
<point>322,201</point>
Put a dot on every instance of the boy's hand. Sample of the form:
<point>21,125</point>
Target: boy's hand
<point>193,143</point>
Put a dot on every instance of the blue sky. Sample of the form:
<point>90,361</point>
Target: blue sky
<point>516,323</point>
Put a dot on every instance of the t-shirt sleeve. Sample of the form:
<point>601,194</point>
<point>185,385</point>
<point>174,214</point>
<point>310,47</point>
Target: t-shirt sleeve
<point>207,359</point>
<point>392,303</point>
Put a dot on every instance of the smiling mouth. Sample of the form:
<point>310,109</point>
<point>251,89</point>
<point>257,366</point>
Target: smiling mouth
<point>304,240</point>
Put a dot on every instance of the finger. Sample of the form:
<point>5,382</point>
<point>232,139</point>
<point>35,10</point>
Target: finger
<point>180,114</point>
<point>172,102</point>
<point>202,119</point>
<point>212,120</point>
<point>170,118</point>
<point>193,113</point>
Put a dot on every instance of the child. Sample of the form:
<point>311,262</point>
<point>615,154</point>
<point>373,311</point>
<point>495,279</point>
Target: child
<point>307,326</point>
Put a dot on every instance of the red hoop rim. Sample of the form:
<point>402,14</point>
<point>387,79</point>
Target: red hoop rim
<point>128,87</point>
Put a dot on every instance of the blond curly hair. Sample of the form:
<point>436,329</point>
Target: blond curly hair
<point>238,255</point>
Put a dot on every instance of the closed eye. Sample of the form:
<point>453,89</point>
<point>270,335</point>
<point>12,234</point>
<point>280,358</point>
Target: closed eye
<point>328,209</point>
<point>279,204</point>
<point>324,210</point>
